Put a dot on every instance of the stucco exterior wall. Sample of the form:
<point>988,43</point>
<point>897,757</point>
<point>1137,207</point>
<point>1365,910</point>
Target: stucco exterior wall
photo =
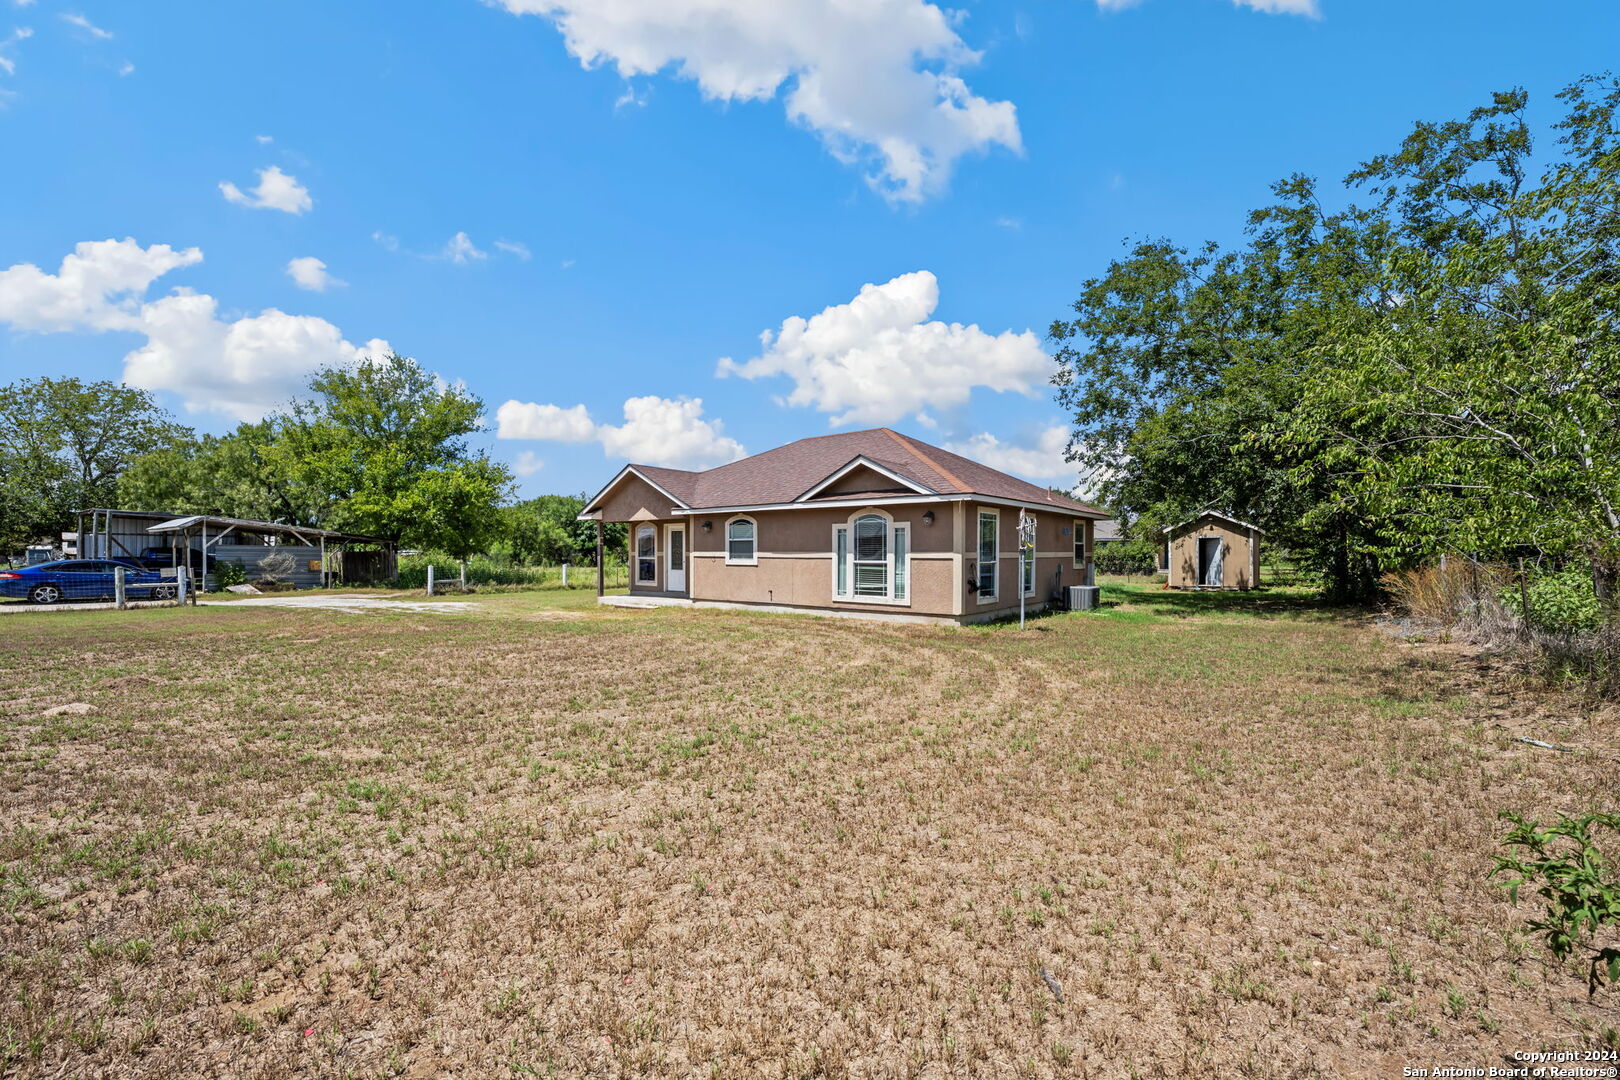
<point>809,531</point>
<point>1054,558</point>
<point>1241,565</point>
<point>793,564</point>
<point>633,499</point>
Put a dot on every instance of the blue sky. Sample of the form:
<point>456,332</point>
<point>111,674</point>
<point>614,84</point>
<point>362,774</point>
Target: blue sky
<point>583,209</point>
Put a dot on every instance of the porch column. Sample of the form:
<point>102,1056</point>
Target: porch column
<point>601,571</point>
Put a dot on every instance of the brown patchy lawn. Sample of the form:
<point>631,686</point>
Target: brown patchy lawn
<point>1244,836</point>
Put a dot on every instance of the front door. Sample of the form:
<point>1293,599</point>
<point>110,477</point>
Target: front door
<point>675,546</point>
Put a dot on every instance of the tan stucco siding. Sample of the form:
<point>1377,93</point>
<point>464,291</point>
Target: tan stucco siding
<point>807,581</point>
<point>633,499</point>
<point>809,531</point>
<point>1240,562</point>
<point>1054,565</point>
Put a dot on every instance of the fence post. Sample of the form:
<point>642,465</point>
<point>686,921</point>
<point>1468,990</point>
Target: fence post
<point>463,575</point>
<point>565,575</point>
<point>430,579</point>
<point>118,589</point>
<point>180,584</point>
<point>1524,599</point>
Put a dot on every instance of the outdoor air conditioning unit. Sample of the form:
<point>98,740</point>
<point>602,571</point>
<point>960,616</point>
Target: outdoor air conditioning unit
<point>1081,597</point>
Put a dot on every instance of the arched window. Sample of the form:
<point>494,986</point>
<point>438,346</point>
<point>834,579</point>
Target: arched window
<point>871,559</point>
<point>646,555</point>
<point>742,545</point>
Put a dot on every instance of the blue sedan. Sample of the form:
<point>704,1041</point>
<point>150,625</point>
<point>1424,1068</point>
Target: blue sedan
<point>82,579</point>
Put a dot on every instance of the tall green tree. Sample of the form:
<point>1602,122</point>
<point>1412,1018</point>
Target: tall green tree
<point>65,443</point>
<point>546,530</point>
<point>384,445</point>
<point>235,475</point>
<point>1433,369</point>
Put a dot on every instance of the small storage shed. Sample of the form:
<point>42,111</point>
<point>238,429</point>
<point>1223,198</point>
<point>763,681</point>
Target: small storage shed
<point>1214,551</point>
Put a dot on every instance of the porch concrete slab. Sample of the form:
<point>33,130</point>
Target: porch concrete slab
<point>644,603</point>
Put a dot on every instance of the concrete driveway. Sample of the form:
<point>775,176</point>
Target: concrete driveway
<point>352,605</point>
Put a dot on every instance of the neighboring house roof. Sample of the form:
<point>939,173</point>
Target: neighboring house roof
<point>1105,531</point>
<point>1215,514</point>
<point>795,473</point>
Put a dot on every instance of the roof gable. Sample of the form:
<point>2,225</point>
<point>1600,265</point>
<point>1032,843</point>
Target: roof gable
<point>1228,518</point>
<point>876,476</point>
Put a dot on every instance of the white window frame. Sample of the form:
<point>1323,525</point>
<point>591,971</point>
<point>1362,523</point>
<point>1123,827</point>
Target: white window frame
<point>847,563</point>
<point>651,532</point>
<point>995,563</point>
<point>1080,548</point>
<point>752,560</point>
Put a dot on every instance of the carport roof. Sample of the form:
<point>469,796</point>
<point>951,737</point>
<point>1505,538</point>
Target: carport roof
<point>185,524</point>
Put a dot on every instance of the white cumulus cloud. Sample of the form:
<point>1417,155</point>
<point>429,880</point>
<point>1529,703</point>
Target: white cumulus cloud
<point>1040,461</point>
<point>276,190</point>
<point>553,423</point>
<point>515,247</point>
<point>308,272</point>
<point>527,464</point>
<point>656,431</point>
<point>241,368</point>
<point>460,250</point>
<point>877,80</point>
<point>879,357</point>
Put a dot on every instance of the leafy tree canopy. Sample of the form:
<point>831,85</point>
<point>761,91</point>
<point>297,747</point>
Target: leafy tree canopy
<point>1432,369</point>
<point>64,444</point>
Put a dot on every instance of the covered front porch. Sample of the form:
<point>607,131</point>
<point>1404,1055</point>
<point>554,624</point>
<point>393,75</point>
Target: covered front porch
<point>657,537</point>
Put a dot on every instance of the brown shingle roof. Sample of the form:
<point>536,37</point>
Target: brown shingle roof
<point>784,474</point>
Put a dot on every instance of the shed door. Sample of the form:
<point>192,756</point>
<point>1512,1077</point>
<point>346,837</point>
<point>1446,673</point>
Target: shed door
<point>1211,560</point>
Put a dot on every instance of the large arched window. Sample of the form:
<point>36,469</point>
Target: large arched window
<point>871,561</point>
<point>646,555</point>
<point>742,542</point>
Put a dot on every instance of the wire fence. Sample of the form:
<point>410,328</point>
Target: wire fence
<point>483,571</point>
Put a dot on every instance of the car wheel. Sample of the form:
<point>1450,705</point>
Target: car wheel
<point>45,594</point>
<point>163,592</point>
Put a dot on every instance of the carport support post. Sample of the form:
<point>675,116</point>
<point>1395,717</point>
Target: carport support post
<point>601,579</point>
<point>118,588</point>
<point>323,562</point>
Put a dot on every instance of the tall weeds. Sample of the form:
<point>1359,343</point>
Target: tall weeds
<point>1466,598</point>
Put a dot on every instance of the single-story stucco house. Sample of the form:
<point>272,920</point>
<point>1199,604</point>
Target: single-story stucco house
<point>870,523</point>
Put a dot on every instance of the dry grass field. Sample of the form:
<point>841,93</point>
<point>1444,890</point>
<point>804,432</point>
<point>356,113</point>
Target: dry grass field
<point>1240,836</point>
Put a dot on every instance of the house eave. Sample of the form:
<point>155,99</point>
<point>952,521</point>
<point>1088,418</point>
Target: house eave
<point>899,500</point>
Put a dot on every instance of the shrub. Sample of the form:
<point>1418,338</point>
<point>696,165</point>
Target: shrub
<point>226,573</point>
<point>1126,557</point>
<point>1562,602</point>
<point>1577,882</point>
